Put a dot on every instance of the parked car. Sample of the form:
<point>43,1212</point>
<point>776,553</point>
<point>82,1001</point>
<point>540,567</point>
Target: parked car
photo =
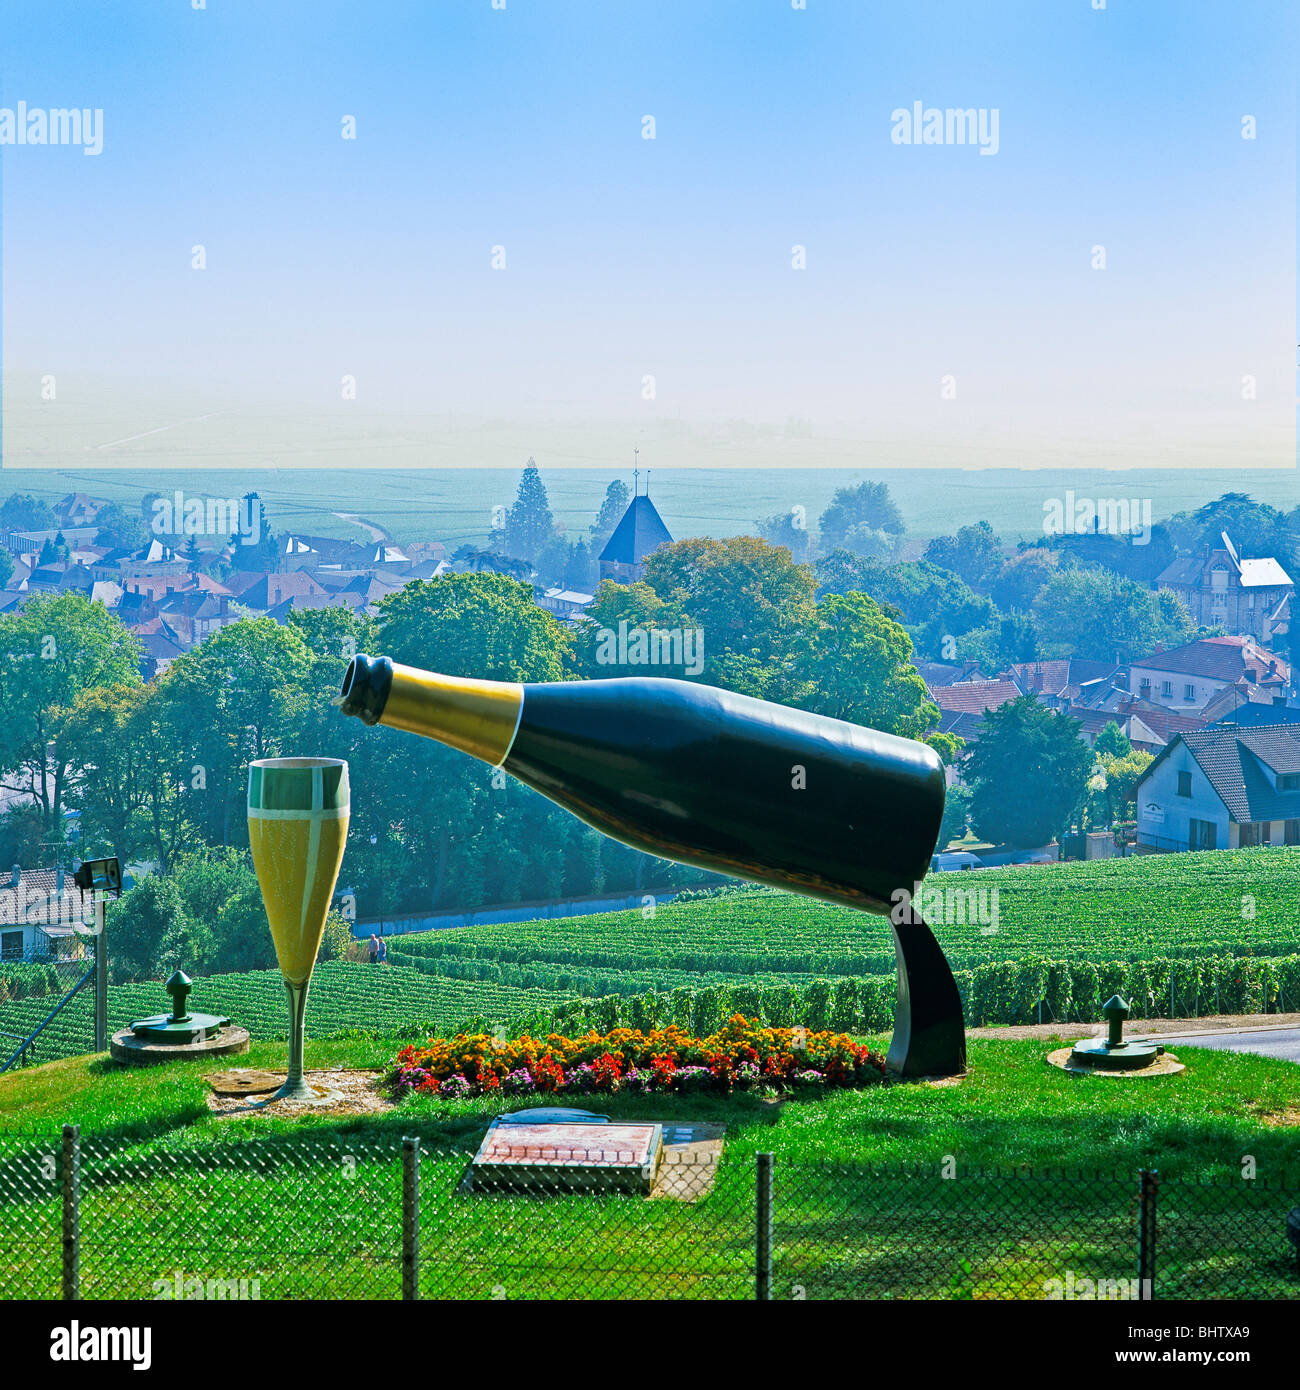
<point>958,859</point>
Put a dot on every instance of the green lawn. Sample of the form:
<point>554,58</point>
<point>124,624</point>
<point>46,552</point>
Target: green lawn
<point>312,1206</point>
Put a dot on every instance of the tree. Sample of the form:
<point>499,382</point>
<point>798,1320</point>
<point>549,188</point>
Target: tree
<point>786,528</point>
<point>244,689</point>
<point>753,604</point>
<point>54,649</point>
<point>119,529</point>
<point>937,606</point>
<point>1255,528</point>
<point>6,567</point>
<point>551,562</point>
<point>580,568</point>
<point>22,833</point>
<point>483,625</point>
<point>472,557</point>
<point>20,511</point>
<point>336,940</point>
<point>1008,640</point>
<point>104,772</point>
<point>1097,614</point>
<point>468,834</point>
<point>529,523</point>
<point>1122,777</point>
<point>152,910</point>
<point>637,605</point>
<point>54,552</point>
<point>1022,578</point>
<point>860,664</point>
<point>855,512</point>
<point>219,891</point>
<point>615,503</point>
<point>974,553</point>
<point>509,566</point>
<point>956,813</point>
<point>1027,773</point>
<point>1112,742</point>
<point>168,725</point>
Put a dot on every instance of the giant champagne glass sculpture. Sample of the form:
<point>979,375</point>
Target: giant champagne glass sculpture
<point>297,827</point>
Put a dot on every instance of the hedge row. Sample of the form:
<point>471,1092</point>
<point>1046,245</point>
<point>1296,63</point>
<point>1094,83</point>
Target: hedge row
<point>29,980</point>
<point>1027,991</point>
<point>592,983</point>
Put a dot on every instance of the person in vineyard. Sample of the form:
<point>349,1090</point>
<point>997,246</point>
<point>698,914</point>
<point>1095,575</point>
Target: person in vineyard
<point>374,948</point>
<point>383,950</point>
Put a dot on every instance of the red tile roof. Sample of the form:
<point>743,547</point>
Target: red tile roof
<point>974,697</point>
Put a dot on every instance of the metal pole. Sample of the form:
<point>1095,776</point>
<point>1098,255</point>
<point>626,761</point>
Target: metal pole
<point>763,1228</point>
<point>410,1219</point>
<point>1148,1180</point>
<point>71,1215</point>
<point>101,974</point>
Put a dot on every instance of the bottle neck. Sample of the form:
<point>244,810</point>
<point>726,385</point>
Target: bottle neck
<point>478,717</point>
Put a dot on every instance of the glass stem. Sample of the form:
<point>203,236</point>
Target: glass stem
<point>297,1020</point>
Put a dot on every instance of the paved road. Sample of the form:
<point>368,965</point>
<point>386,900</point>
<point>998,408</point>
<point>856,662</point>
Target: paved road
<point>1270,1042</point>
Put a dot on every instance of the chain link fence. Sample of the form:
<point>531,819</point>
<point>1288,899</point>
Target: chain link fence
<point>47,999</point>
<point>345,1216</point>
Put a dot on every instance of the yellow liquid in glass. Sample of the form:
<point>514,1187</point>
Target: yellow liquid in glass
<point>297,861</point>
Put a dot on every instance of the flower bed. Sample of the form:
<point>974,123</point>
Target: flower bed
<point>742,1055</point>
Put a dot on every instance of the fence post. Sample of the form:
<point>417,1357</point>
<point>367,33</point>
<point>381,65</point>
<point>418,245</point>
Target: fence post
<point>1148,1181</point>
<point>410,1219</point>
<point>71,1214</point>
<point>101,974</point>
<point>763,1228</point>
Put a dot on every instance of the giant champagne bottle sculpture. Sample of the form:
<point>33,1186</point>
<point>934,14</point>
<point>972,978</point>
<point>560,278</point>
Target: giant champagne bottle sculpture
<point>728,783</point>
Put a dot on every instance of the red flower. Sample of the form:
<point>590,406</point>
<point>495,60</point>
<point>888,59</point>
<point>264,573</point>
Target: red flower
<point>548,1074</point>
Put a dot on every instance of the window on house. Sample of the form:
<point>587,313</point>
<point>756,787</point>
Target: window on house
<point>1166,687</point>
<point>1219,599</point>
<point>1289,782</point>
<point>1184,784</point>
<point>1189,691</point>
<point>1145,687</point>
<point>1248,834</point>
<point>11,945</point>
<point>1202,834</point>
<point>1291,833</point>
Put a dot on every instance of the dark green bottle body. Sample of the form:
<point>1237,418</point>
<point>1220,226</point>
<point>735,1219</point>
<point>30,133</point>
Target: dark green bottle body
<point>736,785</point>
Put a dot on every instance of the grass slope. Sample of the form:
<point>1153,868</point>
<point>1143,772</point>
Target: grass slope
<point>312,1206</point>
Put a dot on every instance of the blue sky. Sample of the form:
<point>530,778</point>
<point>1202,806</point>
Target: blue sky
<point>628,257</point>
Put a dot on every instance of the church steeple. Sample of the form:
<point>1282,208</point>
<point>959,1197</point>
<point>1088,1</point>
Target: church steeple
<point>639,531</point>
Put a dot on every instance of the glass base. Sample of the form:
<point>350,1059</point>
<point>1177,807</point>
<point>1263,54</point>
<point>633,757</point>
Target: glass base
<point>300,1093</point>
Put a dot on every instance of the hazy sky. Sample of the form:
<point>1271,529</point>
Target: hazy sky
<point>671,258</point>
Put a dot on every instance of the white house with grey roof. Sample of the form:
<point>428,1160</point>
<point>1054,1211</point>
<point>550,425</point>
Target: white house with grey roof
<point>1248,597</point>
<point>1225,787</point>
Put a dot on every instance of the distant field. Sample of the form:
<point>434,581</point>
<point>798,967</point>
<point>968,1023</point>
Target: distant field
<point>454,505</point>
<point>1240,902</point>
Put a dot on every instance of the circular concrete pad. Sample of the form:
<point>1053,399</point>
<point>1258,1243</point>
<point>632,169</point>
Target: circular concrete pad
<point>347,1091</point>
<point>247,1081</point>
<point>1165,1066</point>
<point>126,1047</point>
